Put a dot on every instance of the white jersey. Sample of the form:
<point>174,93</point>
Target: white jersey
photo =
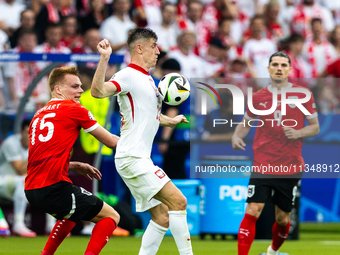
<point>140,108</point>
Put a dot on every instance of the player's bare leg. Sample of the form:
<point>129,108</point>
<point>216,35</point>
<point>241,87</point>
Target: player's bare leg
<point>173,198</point>
<point>155,231</point>
<point>106,222</point>
<point>247,230</point>
<point>280,230</point>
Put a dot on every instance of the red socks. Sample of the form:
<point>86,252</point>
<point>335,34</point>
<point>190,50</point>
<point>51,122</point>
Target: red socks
<point>100,235</point>
<point>280,234</point>
<point>58,234</point>
<point>246,234</point>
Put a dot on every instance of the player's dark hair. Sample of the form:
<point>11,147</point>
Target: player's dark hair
<point>140,33</point>
<point>25,123</point>
<point>280,54</point>
<point>58,74</point>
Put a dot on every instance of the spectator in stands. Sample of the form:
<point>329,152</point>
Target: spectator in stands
<point>192,66</point>
<point>70,38</point>
<point>21,74</point>
<point>212,13</point>
<point>318,52</point>
<point>273,27</point>
<point>53,42</point>
<point>3,40</point>
<point>300,68</point>
<point>326,100</point>
<point>217,58</point>
<point>193,22</point>
<point>166,31</point>
<point>98,13</point>
<point>116,27</point>
<point>13,170</point>
<point>335,39</point>
<point>10,15</point>
<point>148,12</point>
<point>299,17</point>
<point>258,49</point>
<point>49,13</point>
<point>27,21</point>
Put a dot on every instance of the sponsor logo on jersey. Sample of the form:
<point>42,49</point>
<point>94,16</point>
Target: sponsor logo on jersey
<point>160,174</point>
<point>263,104</point>
<point>251,190</point>
<point>91,116</point>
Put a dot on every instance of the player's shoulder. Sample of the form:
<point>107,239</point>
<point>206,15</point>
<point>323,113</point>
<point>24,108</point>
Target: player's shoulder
<point>299,86</point>
<point>262,94</point>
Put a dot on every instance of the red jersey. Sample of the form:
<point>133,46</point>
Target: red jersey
<point>271,146</point>
<point>53,131</point>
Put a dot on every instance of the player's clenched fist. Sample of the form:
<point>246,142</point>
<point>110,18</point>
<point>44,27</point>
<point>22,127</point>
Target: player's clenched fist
<point>104,48</point>
<point>292,133</point>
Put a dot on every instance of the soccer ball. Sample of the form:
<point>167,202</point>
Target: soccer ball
<point>174,88</point>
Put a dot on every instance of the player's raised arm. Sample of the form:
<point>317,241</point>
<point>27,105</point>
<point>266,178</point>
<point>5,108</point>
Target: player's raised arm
<point>99,87</point>
<point>172,122</point>
<point>241,132</point>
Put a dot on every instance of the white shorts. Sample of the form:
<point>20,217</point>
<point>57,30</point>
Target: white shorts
<point>143,179</point>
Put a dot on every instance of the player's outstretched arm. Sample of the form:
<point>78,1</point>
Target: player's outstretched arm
<point>241,132</point>
<point>312,129</point>
<point>105,137</point>
<point>100,88</point>
<point>166,121</point>
<point>85,169</point>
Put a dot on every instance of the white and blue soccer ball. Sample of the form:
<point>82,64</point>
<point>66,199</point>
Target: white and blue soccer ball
<point>174,88</point>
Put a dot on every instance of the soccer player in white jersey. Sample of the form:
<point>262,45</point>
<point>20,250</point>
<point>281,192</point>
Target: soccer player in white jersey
<point>140,108</point>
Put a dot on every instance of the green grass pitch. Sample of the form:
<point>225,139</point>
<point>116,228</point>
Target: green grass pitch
<point>315,239</point>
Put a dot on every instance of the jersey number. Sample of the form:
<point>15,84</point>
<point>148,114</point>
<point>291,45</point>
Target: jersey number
<point>278,117</point>
<point>43,125</point>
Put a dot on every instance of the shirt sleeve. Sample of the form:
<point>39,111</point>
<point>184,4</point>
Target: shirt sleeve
<point>122,82</point>
<point>311,107</point>
<point>84,118</point>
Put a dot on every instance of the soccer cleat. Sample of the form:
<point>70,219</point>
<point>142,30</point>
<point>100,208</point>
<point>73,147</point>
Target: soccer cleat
<point>4,232</point>
<point>23,231</point>
<point>120,232</point>
<point>270,251</point>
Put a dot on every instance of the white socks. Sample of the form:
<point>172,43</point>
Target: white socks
<point>180,232</point>
<point>19,200</point>
<point>152,239</point>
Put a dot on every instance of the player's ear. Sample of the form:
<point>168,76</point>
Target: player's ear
<point>139,49</point>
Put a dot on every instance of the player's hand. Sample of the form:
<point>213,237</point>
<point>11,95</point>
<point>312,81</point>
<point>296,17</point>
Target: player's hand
<point>85,169</point>
<point>292,133</point>
<point>178,119</point>
<point>104,48</point>
<point>237,143</point>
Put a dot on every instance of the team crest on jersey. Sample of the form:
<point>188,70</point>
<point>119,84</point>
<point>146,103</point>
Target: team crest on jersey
<point>160,174</point>
<point>91,116</point>
<point>251,190</point>
<point>292,97</point>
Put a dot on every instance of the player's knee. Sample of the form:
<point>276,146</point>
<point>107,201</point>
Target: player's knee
<point>182,203</point>
<point>115,216</point>
<point>282,220</point>
<point>254,209</point>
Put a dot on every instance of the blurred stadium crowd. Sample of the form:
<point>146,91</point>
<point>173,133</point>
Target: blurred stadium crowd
<point>230,39</point>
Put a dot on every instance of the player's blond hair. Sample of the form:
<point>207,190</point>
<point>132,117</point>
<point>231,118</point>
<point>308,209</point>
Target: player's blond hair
<point>58,74</point>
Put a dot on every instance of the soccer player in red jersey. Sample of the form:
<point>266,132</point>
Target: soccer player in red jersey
<point>53,131</point>
<point>277,153</point>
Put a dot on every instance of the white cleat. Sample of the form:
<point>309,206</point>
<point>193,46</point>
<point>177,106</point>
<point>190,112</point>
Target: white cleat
<point>270,251</point>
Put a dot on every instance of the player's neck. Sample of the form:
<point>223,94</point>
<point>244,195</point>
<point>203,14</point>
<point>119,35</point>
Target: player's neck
<point>280,84</point>
<point>141,63</point>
